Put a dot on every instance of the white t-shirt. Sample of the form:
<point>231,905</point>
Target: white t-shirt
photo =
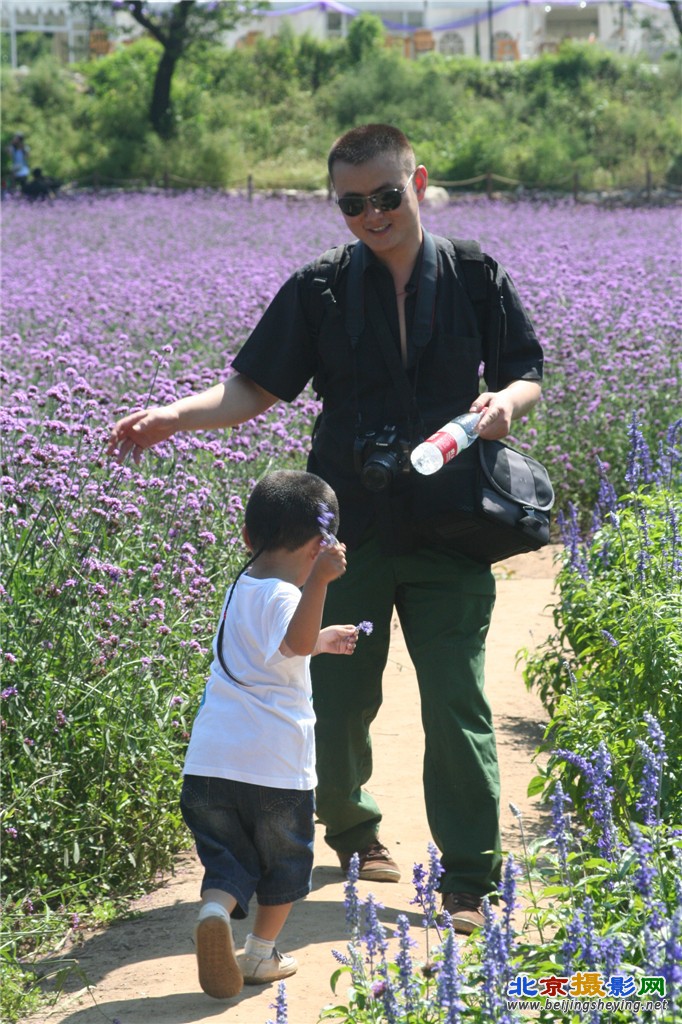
<point>260,729</point>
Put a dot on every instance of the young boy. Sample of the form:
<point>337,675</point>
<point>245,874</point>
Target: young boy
<point>249,773</point>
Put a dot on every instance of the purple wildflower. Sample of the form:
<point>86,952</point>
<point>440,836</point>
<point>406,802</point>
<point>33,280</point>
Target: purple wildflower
<point>408,983</point>
<point>352,901</point>
<point>365,627</point>
<point>280,1005</point>
<point>645,871</point>
<point>449,981</point>
<point>597,776</point>
<point>374,935</point>
<point>426,886</point>
<point>560,828</point>
<point>327,523</point>
<point>653,757</point>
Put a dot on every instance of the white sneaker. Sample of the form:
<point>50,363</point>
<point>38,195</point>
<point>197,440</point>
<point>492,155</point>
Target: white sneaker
<point>258,970</point>
<point>219,974</point>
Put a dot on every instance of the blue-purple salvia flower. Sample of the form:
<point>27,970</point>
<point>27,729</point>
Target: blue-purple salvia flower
<point>327,523</point>
<point>374,934</point>
<point>407,981</point>
<point>426,886</point>
<point>449,986</point>
<point>599,798</point>
<point>653,758</point>
<point>280,1005</point>
<point>352,900</point>
<point>560,828</point>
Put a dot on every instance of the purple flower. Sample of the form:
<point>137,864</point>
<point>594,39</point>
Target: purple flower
<point>280,1005</point>
<point>365,627</point>
<point>654,757</point>
<point>560,828</point>
<point>327,523</point>
<point>597,776</point>
<point>426,886</point>
<point>352,901</point>
<point>374,935</point>
<point>449,980</point>
<point>408,983</point>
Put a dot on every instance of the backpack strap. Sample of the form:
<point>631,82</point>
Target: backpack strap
<point>327,272</point>
<point>325,275</point>
<point>478,271</point>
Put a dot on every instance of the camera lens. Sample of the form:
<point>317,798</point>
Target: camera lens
<point>378,472</point>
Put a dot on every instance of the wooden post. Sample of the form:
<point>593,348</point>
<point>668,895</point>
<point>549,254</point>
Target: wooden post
<point>249,187</point>
<point>489,184</point>
<point>576,186</point>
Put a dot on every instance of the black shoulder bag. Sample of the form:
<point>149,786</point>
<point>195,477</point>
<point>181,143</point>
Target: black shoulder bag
<point>505,509</point>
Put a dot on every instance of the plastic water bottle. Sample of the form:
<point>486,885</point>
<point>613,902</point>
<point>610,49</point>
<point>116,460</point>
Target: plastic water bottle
<point>429,456</point>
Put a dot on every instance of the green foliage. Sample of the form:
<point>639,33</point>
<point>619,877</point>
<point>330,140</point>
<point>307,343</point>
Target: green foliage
<point>365,38</point>
<point>583,915</point>
<point>610,119</point>
<point>617,651</point>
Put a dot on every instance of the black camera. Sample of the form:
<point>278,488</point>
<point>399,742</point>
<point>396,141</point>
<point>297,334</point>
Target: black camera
<point>380,456</point>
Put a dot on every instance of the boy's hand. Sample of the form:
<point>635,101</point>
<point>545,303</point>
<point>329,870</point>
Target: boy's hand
<point>337,640</point>
<point>330,562</point>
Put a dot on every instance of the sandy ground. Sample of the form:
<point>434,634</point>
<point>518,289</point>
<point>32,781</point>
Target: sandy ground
<point>143,971</point>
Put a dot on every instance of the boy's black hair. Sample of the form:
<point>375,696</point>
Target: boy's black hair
<point>284,509</point>
<point>367,141</point>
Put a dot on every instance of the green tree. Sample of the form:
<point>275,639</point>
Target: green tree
<point>183,26</point>
<point>365,37</point>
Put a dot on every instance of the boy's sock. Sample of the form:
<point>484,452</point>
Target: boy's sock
<point>261,948</point>
<point>213,909</point>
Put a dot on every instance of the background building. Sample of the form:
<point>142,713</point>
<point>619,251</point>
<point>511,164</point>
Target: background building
<point>500,30</point>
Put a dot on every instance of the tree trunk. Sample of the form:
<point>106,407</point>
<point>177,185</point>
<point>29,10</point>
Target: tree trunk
<point>174,37</point>
<point>160,111</point>
<point>676,12</point>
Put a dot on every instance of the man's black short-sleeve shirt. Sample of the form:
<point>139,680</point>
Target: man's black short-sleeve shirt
<point>302,336</point>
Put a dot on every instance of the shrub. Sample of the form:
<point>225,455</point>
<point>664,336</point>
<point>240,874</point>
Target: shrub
<point>616,656</point>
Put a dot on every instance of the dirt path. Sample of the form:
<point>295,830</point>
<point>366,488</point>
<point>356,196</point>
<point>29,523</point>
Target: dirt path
<point>143,971</point>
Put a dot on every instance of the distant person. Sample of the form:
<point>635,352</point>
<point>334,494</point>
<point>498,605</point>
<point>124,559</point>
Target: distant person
<point>249,772</point>
<point>18,154</point>
<point>40,187</point>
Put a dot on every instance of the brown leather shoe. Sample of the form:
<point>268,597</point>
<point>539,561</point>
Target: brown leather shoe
<point>376,864</point>
<point>465,910</point>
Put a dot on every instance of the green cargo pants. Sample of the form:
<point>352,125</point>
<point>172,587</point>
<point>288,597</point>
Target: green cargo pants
<point>444,603</point>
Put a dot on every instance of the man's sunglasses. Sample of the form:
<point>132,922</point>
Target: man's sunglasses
<point>382,202</point>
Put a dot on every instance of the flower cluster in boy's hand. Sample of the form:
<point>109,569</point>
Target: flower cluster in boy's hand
<point>326,520</point>
<point>365,627</point>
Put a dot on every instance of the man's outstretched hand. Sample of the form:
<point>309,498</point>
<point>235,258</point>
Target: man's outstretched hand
<point>140,430</point>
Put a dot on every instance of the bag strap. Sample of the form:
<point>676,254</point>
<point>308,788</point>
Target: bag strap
<point>478,273</point>
<point>327,272</point>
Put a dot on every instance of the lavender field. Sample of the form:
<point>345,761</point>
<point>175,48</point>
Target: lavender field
<point>112,576</point>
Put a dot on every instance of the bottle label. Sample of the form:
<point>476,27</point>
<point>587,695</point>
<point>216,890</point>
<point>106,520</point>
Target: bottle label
<point>446,444</point>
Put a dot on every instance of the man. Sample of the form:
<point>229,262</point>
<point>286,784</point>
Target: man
<point>332,322</point>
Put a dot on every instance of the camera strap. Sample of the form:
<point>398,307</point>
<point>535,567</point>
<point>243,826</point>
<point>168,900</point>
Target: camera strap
<point>420,333</point>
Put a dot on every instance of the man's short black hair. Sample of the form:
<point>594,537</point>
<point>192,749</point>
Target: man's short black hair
<point>284,510</point>
<point>367,141</point>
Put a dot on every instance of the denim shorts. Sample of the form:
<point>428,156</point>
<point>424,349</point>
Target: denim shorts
<point>251,839</point>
